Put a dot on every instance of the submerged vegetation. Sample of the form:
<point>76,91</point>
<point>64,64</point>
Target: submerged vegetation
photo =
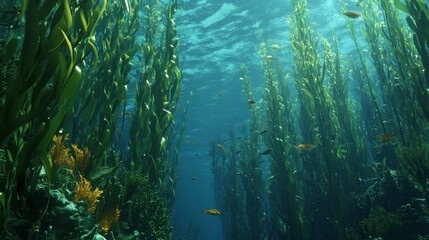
<point>347,138</point>
<point>336,147</point>
<point>65,111</point>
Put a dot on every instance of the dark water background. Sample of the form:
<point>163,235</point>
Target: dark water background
<point>215,38</point>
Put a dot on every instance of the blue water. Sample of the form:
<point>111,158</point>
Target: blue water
<point>215,38</point>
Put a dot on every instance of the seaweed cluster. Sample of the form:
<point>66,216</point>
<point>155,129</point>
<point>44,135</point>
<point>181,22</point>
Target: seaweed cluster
<point>64,112</point>
<point>347,137</point>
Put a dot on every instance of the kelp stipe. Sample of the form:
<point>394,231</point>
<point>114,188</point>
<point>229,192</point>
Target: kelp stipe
<point>286,208</point>
<point>251,167</point>
<point>157,94</point>
<point>330,170</point>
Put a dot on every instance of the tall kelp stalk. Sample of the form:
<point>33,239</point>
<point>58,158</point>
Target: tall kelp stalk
<point>251,167</point>
<point>228,190</point>
<point>389,44</point>
<point>351,148</point>
<point>94,120</point>
<point>418,20</point>
<point>325,166</point>
<point>415,158</point>
<point>172,153</point>
<point>374,119</point>
<point>157,94</point>
<point>285,196</point>
<point>36,98</point>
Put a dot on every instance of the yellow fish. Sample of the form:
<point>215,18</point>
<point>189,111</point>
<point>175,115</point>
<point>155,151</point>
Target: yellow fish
<point>305,146</point>
<point>387,137</point>
<point>351,14</point>
<point>221,148</point>
<point>211,211</point>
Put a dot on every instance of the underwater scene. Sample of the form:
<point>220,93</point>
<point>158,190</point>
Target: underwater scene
<point>211,120</point>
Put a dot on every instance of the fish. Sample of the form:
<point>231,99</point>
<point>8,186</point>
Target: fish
<point>194,178</point>
<point>220,148</point>
<point>388,137</point>
<point>276,47</point>
<point>211,211</point>
<point>250,102</point>
<point>266,152</point>
<point>262,132</point>
<point>305,146</point>
<point>219,94</point>
<point>351,14</point>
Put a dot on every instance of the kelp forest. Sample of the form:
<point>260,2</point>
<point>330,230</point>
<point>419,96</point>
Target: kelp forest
<point>81,157</point>
<point>336,146</point>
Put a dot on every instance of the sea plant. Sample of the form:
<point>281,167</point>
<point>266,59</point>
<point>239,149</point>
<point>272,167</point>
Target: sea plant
<point>36,99</point>
<point>94,122</point>
<point>148,212</point>
<point>286,208</point>
<point>228,188</point>
<point>417,20</point>
<point>251,160</point>
<point>157,93</point>
<point>381,223</point>
<point>325,177</point>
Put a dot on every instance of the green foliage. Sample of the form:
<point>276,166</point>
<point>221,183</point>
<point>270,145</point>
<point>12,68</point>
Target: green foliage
<point>251,169</point>
<point>381,223</point>
<point>36,98</point>
<point>157,93</point>
<point>415,163</point>
<point>286,207</point>
<point>147,213</point>
<point>417,20</point>
<point>94,123</point>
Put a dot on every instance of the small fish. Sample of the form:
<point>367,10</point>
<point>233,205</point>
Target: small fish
<point>219,94</point>
<point>266,152</point>
<point>221,148</point>
<point>250,102</point>
<point>211,211</point>
<point>262,132</point>
<point>388,137</point>
<point>305,146</point>
<point>239,151</point>
<point>270,57</point>
<point>276,47</point>
<point>351,14</point>
<point>194,178</point>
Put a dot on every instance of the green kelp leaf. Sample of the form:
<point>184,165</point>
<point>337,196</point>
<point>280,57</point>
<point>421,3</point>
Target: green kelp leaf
<point>70,48</point>
<point>3,200</point>
<point>46,160</point>
<point>47,7</point>
<point>23,9</point>
<point>55,40</point>
<point>83,19</point>
<point>163,144</point>
<point>30,45</point>
<point>67,16</point>
<point>411,24</point>
<point>61,73</point>
<point>72,85</point>
<point>11,47</point>
<point>88,49</point>
<point>401,6</point>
